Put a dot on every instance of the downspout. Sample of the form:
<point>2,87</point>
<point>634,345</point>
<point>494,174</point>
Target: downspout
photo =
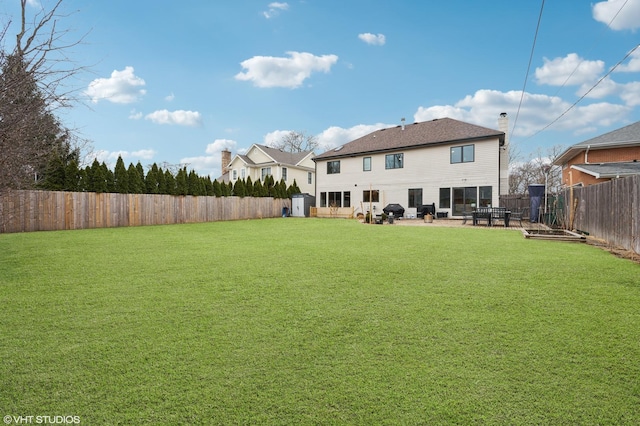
<point>586,155</point>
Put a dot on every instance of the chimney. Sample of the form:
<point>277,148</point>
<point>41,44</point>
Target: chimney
<point>503,126</point>
<point>226,160</point>
<point>402,120</point>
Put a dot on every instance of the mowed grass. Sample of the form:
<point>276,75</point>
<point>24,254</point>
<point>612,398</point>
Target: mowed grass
<point>311,321</point>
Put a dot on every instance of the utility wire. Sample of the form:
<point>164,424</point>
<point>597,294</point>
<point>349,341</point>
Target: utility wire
<point>594,86</point>
<point>590,50</point>
<point>587,92</point>
<point>526,77</point>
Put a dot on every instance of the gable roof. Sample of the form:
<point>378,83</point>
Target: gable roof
<point>416,135</point>
<point>625,136</point>
<point>277,156</point>
<point>609,170</point>
<point>284,157</point>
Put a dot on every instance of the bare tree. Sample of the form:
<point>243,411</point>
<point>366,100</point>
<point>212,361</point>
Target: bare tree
<point>538,169</point>
<point>297,142</point>
<point>34,75</point>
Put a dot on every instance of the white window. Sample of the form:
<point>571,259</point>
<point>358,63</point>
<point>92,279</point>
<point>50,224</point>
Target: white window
<point>266,171</point>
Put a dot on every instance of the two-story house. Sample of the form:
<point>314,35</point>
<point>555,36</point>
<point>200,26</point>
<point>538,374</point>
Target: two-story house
<point>609,156</point>
<point>454,164</point>
<point>261,161</point>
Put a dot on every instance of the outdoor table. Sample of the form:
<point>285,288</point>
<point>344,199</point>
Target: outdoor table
<point>490,215</point>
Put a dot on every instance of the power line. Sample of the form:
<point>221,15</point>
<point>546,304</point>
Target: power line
<point>526,77</point>
<point>590,50</point>
<point>574,71</point>
<point>587,92</point>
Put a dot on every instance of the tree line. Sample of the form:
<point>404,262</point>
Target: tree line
<point>68,176</point>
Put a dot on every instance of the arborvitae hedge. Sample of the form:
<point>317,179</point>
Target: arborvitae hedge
<point>132,180</point>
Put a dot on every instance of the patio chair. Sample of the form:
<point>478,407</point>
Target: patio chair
<point>516,215</point>
<point>467,215</point>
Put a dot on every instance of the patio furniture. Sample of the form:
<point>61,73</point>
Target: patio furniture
<point>492,215</point>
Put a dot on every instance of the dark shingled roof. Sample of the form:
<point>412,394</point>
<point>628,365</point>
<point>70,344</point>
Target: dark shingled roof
<point>626,136</point>
<point>435,132</point>
<point>610,170</point>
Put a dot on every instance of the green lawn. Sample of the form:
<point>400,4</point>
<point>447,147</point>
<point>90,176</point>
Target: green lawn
<point>311,321</point>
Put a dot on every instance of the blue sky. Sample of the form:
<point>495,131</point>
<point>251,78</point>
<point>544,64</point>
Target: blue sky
<point>177,82</point>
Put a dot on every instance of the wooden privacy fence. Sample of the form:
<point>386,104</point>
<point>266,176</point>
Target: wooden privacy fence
<point>26,211</point>
<point>515,202</point>
<point>609,211</point>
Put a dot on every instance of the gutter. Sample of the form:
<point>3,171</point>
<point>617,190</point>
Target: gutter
<point>409,147</point>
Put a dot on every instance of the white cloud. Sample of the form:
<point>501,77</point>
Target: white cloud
<point>274,9</point>
<point>633,65</point>
<point>170,97</point>
<point>631,93</point>
<point>269,71</point>
<point>537,111</point>
<point>628,18</point>
<point>145,154</point>
<point>180,117</point>
<point>373,39</point>
<point>272,138</point>
<point>111,157</point>
<point>577,70</point>
<point>123,87</point>
<point>135,115</point>
<point>210,164</point>
<point>606,87</point>
<point>335,136</point>
<point>220,145</point>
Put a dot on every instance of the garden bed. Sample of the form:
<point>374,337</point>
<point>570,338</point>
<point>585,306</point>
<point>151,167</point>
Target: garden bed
<point>553,234</point>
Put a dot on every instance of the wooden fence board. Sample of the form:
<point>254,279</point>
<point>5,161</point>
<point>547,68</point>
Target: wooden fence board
<point>609,211</point>
<point>27,211</point>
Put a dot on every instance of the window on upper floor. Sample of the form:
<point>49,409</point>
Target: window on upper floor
<point>366,164</point>
<point>333,167</point>
<point>309,178</point>
<point>463,154</point>
<point>393,161</point>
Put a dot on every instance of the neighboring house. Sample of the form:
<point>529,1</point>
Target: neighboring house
<point>261,161</point>
<point>454,164</point>
<point>613,155</point>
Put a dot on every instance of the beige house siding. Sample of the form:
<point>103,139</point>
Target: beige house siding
<point>427,168</point>
<point>299,171</point>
